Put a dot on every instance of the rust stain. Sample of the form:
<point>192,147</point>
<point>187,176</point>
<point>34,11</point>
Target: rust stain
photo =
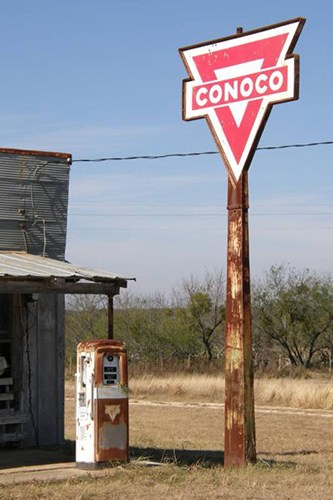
<point>112,432</point>
<point>110,427</point>
<point>92,345</point>
<point>239,403</point>
<point>101,347</point>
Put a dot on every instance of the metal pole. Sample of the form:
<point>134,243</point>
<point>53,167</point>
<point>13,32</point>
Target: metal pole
<point>240,442</point>
<point>110,317</point>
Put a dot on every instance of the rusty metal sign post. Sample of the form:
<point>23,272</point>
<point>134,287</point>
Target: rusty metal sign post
<point>234,82</point>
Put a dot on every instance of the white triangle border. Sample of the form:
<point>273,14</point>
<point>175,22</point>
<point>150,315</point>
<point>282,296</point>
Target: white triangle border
<point>220,137</point>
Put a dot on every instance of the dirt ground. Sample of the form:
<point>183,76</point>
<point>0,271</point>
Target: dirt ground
<point>295,458</point>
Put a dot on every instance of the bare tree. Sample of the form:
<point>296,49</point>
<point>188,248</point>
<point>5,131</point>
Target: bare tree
<point>294,309</point>
<point>86,319</point>
<point>204,303</point>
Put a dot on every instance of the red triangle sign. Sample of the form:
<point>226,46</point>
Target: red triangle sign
<point>234,82</point>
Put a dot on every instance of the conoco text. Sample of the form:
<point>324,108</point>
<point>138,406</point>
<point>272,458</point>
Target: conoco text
<point>247,87</point>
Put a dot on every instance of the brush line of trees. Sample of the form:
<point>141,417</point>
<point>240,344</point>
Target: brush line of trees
<point>292,321</point>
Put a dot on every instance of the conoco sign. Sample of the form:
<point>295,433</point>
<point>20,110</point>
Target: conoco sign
<point>234,82</point>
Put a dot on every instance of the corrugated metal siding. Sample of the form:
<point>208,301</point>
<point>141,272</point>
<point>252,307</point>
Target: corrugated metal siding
<point>34,203</point>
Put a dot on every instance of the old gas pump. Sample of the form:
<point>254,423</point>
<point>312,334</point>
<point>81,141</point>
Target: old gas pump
<point>101,403</point>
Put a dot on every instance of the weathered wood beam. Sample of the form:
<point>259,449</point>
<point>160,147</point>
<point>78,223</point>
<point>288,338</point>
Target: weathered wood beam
<point>110,317</point>
<point>59,286</point>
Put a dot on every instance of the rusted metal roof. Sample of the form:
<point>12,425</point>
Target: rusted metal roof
<point>16,265</point>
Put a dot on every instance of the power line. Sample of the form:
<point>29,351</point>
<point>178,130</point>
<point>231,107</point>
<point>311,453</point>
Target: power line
<point>170,214</point>
<point>198,153</point>
<point>195,229</point>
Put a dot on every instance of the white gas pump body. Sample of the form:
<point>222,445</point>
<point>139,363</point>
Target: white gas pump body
<point>101,403</point>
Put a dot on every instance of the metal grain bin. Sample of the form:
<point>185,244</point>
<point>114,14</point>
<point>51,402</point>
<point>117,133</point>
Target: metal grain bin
<point>34,202</point>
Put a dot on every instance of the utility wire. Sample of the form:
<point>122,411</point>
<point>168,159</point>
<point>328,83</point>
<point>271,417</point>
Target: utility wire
<point>216,214</point>
<point>199,153</point>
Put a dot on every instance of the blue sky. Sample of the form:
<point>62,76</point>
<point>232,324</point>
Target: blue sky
<point>103,78</point>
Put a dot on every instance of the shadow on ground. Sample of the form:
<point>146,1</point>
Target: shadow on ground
<point>15,457</point>
<point>186,457</point>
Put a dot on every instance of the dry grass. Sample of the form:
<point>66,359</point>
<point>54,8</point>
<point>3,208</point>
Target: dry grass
<point>295,450</point>
<point>174,482</point>
<point>296,393</point>
<point>180,387</point>
<point>303,393</point>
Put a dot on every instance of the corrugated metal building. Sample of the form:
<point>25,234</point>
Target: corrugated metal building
<point>34,202</point>
<point>33,280</point>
